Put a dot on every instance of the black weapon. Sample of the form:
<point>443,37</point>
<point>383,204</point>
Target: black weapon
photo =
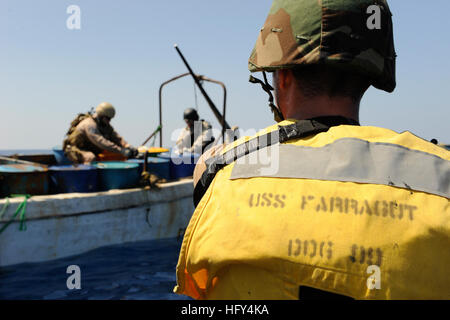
<point>216,112</point>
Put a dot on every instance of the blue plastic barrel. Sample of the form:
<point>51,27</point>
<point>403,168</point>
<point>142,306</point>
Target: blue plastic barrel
<point>157,166</point>
<point>60,157</point>
<point>181,166</point>
<point>18,178</point>
<point>117,175</point>
<point>67,179</point>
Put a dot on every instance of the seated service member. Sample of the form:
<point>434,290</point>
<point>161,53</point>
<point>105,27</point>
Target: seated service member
<point>196,136</point>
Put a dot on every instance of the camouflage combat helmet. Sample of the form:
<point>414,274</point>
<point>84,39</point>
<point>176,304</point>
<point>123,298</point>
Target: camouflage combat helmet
<point>338,33</point>
<point>105,109</point>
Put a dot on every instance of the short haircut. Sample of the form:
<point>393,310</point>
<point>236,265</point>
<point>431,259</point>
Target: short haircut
<point>316,80</point>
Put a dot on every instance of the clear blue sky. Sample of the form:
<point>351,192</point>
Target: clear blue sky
<point>124,51</point>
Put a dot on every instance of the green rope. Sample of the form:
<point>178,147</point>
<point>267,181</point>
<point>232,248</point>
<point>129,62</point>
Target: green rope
<point>154,138</point>
<point>5,206</point>
<point>153,142</point>
<point>21,208</point>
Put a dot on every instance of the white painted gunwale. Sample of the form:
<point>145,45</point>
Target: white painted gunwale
<point>64,225</point>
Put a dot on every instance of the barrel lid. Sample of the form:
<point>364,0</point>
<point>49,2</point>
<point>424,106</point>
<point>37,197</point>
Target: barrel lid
<point>17,168</point>
<point>149,160</point>
<point>187,158</point>
<point>115,165</point>
<point>72,168</point>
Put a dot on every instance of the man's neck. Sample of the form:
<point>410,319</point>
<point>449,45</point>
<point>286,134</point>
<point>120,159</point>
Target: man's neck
<point>301,109</point>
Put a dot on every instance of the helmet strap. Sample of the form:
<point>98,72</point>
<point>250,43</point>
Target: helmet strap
<point>277,115</point>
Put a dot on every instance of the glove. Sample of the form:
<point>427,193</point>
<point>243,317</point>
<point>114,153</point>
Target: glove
<point>130,152</point>
<point>127,153</point>
<point>134,152</point>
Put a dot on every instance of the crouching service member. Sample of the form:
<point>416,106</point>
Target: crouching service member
<point>90,135</point>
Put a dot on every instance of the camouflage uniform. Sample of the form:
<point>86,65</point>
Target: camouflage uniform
<point>89,138</point>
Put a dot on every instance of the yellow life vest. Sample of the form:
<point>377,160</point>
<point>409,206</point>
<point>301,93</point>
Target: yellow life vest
<point>358,211</point>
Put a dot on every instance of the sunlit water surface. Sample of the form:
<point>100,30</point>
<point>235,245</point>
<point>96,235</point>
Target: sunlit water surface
<point>141,270</point>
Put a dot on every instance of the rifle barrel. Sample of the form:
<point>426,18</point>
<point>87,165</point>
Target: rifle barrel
<point>211,104</point>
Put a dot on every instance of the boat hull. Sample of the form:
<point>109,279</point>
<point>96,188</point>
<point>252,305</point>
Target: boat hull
<point>69,224</point>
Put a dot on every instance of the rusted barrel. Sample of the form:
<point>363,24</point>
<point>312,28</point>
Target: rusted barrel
<point>17,178</point>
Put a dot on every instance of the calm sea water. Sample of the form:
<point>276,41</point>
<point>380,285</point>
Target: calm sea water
<point>25,152</point>
<point>133,271</point>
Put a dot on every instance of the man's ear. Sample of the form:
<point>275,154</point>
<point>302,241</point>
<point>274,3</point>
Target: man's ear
<point>285,78</point>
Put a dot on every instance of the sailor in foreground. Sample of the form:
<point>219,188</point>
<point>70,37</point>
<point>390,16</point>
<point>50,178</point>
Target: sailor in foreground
<point>339,210</point>
<point>90,135</point>
<point>196,136</point>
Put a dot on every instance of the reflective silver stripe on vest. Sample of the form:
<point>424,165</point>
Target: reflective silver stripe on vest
<point>352,160</point>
